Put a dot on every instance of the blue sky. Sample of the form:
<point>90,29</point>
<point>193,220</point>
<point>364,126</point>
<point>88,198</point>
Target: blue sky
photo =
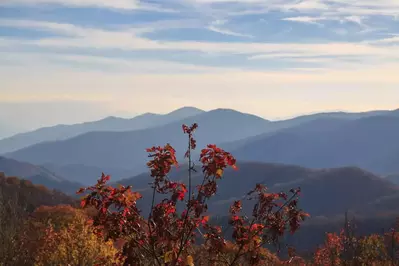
<point>86,59</point>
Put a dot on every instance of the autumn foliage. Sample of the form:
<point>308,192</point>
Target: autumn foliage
<point>347,249</point>
<point>168,236</point>
<point>61,235</point>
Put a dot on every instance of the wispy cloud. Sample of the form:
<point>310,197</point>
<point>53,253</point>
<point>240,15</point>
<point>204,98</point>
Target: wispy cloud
<point>307,5</point>
<point>130,39</point>
<point>228,32</point>
<point>320,21</point>
<point>311,20</point>
<point>88,63</point>
<point>356,19</point>
<point>320,7</point>
<point>113,4</point>
<point>217,26</point>
<point>59,28</point>
<point>391,40</point>
<point>316,19</point>
<point>341,8</point>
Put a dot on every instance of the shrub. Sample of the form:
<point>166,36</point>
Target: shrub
<point>61,235</point>
<point>168,236</point>
<point>347,249</point>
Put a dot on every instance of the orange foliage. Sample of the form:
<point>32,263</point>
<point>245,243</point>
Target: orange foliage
<point>61,235</point>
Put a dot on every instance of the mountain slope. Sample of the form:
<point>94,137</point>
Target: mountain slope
<point>394,178</point>
<point>62,132</point>
<point>23,194</point>
<point>5,131</point>
<point>37,175</point>
<point>86,175</point>
<point>18,199</point>
<point>126,150</point>
<point>296,122</point>
<point>337,115</point>
<point>369,143</point>
<point>327,192</point>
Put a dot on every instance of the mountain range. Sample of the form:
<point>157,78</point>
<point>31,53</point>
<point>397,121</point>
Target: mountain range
<point>369,143</point>
<point>37,175</point>
<point>126,150</point>
<point>148,120</point>
<point>366,140</point>
<point>84,174</point>
<point>62,132</point>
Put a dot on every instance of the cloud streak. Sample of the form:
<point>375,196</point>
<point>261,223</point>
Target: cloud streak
<point>321,7</point>
<point>128,39</point>
<point>317,55</point>
<point>46,60</point>
<point>216,27</point>
<point>310,20</point>
<point>107,4</point>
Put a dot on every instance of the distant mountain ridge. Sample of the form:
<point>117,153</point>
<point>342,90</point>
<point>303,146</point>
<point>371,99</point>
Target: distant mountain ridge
<point>126,150</point>
<point>243,134</point>
<point>62,132</point>
<point>84,174</point>
<point>335,117</point>
<point>37,175</point>
<point>370,143</point>
<point>394,178</point>
<point>147,120</point>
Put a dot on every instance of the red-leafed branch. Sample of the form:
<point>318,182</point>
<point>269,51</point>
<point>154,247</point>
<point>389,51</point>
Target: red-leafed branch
<point>168,236</point>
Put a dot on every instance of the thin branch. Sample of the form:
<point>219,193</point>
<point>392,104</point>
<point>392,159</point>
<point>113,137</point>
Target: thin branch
<point>183,236</point>
<point>149,227</point>
<point>238,255</point>
<point>189,165</point>
<point>288,201</point>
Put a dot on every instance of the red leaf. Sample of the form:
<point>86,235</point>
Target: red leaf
<point>205,219</point>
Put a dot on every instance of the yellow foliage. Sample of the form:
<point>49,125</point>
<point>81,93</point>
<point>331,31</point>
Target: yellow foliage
<point>372,249</point>
<point>219,172</point>
<point>75,245</point>
<point>168,256</point>
<point>190,261</point>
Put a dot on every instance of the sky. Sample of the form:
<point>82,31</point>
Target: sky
<point>69,61</point>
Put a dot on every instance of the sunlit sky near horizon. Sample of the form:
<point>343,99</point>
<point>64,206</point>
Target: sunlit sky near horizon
<point>68,61</point>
